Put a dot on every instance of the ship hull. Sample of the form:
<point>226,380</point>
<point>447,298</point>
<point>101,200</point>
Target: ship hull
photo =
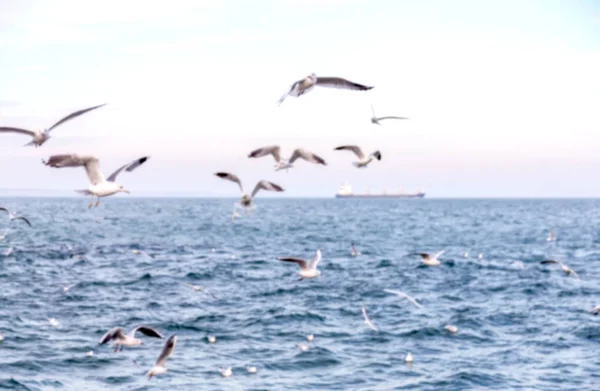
<point>417,195</point>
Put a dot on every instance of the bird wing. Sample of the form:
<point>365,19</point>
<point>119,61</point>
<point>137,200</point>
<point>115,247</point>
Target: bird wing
<point>91,164</point>
<point>147,331</point>
<point>367,320</point>
<point>167,350</point>
<point>315,261</point>
<point>128,167</point>
<point>24,219</point>
<point>424,255</point>
<point>438,254</point>
<point>390,117</point>
<point>306,155</point>
<point>301,262</point>
<point>373,111</point>
<point>266,185</point>
<point>264,151</point>
<point>550,261</point>
<point>338,82</point>
<point>115,332</point>
<point>230,177</point>
<point>74,115</point>
<point>4,209</point>
<point>404,295</point>
<point>354,148</point>
<point>17,130</point>
<point>292,87</point>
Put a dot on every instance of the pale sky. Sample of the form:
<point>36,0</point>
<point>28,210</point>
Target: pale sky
<point>503,96</point>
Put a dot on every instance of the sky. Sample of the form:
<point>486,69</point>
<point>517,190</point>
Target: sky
<point>502,96</point>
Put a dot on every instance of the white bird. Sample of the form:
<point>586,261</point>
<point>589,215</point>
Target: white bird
<point>308,269</point>
<point>141,252</point>
<point>119,338</point>
<point>8,252</point>
<point>451,328</point>
<point>1,337</point>
<point>53,322</point>
<point>225,372</point>
<point>68,288</point>
<point>12,216</point>
<point>375,119</point>
<point>551,236</point>
<point>211,339</point>
<point>286,164</point>
<point>41,136</point>
<point>567,270</point>
<point>364,160</point>
<point>408,358</point>
<point>431,260</point>
<point>595,310</point>
<point>99,186</point>
<point>3,236</point>
<point>159,366</point>
<point>466,254</point>
<point>246,200</point>
<point>403,295</point>
<point>302,347</point>
<point>518,264</point>
<point>480,256</point>
<point>367,320</point>
<point>198,288</point>
<point>235,214</point>
<point>90,353</point>
<point>354,251</point>
<point>310,337</point>
<point>251,369</point>
<point>306,84</point>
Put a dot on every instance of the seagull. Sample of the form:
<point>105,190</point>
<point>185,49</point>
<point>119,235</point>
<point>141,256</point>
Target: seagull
<point>551,236</point>
<point>308,269</point>
<point>451,328</point>
<point>408,358</point>
<point>563,267</point>
<point>354,252</point>
<point>90,353</point>
<point>364,161</point>
<point>375,119</point>
<point>12,216</point>
<point>430,260</point>
<point>99,187</point>
<point>159,366</point>
<point>120,339</point>
<point>198,288</point>
<point>518,264</point>
<point>403,295</point>
<point>1,337</point>
<point>595,310</point>
<point>225,372</point>
<point>310,337</point>
<point>53,322</point>
<point>283,164</point>
<point>466,254</point>
<point>246,200</point>
<point>68,288</point>
<point>141,252</point>
<point>309,82</point>
<point>211,339</point>
<point>41,136</point>
<point>8,252</point>
<point>3,236</point>
<point>480,256</point>
<point>302,347</point>
<point>367,320</point>
<point>251,369</point>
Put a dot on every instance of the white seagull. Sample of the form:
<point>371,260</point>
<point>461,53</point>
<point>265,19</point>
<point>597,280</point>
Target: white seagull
<point>430,260</point>
<point>7,252</point>
<point>310,337</point>
<point>3,236</point>
<point>12,216</point>
<point>251,369</point>
<point>286,164</point>
<point>403,295</point>
<point>309,82</point>
<point>225,372</point>
<point>246,200</point>
<point>375,119</point>
<point>367,320</point>
<point>451,328</point>
<point>595,310</point>
<point>141,252</point>
<point>551,236</point>
<point>308,269</point>
<point>159,366</point>
<point>302,347</point>
<point>41,136</point>
<point>354,251</point>
<point>99,186</point>
<point>119,338</point>
<point>364,160</point>
<point>567,270</point>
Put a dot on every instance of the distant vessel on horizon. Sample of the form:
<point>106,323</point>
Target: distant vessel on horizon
<point>345,191</point>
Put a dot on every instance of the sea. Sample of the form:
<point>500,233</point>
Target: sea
<point>520,326</point>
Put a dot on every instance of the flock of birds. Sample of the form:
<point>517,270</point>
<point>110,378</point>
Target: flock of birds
<point>99,187</point>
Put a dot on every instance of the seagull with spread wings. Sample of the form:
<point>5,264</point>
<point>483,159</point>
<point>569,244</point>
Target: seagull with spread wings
<point>286,164</point>
<point>41,136</point>
<point>306,84</point>
<point>308,269</point>
<point>375,119</point>
<point>567,270</point>
<point>246,200</point>
<point>364,160</point>
<point>119,338</point>
<point>12,216</point>
<point>430,260</point>
<point>99,186</point>
<point>368,321</point>
<point>159,367</point>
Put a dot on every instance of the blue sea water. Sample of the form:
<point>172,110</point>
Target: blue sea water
<point>518,329</point>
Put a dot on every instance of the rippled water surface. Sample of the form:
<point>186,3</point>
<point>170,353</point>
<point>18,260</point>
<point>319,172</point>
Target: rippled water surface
<point>517,328</point>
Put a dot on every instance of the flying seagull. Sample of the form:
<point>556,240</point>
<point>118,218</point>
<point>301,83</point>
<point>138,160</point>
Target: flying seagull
<point>567,270</point>
<point>375,119</point>
<point>159,367</point>
<point>119,338</point>
<point>306,84</point>
<point>282,164</point>
<point>367,320</point>
<point>364,160</point>
<point>246,200</point>
<point>308,269</point>
<point>99,186</point>
<point>403,295</point>
<point>430,260</point>
<point>41,136</point>
<point>12,216</point>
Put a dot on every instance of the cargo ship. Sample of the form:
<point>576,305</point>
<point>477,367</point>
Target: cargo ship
<point>345,191</point>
